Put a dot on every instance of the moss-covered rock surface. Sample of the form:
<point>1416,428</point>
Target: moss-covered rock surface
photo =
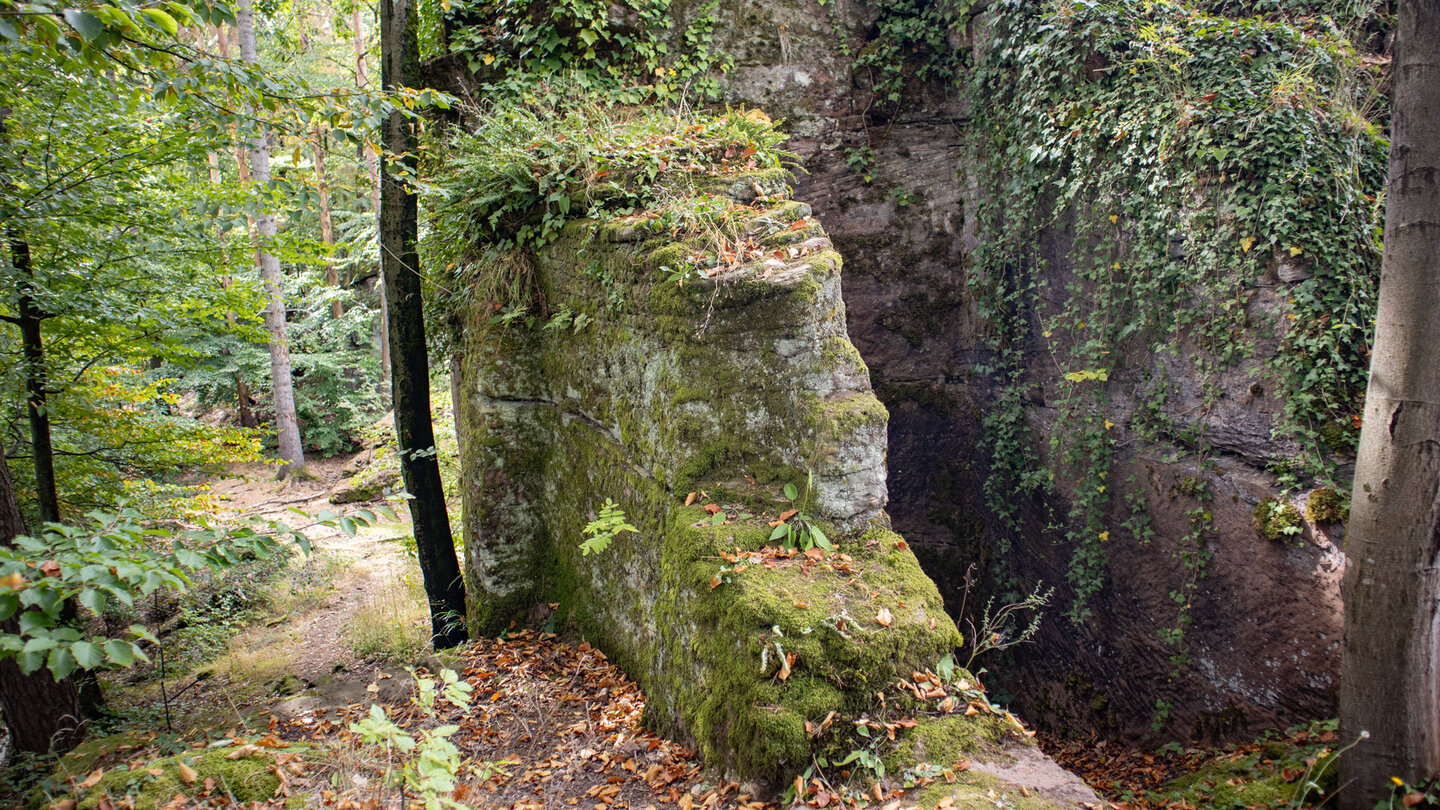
<point>702,378</point>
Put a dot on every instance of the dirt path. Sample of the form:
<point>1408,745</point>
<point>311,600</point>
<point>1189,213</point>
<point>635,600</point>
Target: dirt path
<point>370,564</point>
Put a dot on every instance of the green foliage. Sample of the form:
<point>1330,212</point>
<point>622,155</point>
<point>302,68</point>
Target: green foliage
<point>627,50</point>
<point>1275,519</point>
<point>431,765</point>
<point>1196,157</point>
<point>798,529</point>
<point>912,41</point>
<point>600,532</point>
<point>509,187</point>
<point>116,558</point>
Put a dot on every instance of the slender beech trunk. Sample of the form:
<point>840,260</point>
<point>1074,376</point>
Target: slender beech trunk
<point>410,375</point>
<point>372,168</point>
<point>43,715</point>
<point>1390,669</point>
<point>37,379</point>
<point>282,388</point>
<point>327,226</point>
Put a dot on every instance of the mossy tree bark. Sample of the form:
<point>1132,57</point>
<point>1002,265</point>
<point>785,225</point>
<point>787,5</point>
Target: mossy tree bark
<point>1390,672</point>
<point>409,370</point>
<point>282,385</point>
<point>42,714</point>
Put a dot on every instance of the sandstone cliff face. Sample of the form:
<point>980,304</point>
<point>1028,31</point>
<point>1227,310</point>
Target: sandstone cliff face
<point>705,407</point>
<point>1266,615</point>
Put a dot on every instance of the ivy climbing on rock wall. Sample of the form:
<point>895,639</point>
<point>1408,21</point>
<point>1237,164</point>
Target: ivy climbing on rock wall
<point>1215,169</point>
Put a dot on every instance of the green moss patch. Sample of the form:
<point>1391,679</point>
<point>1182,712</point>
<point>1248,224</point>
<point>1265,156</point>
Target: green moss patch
<point>1325,505</point>
<point>1277,520</point>
<point>243,779</point>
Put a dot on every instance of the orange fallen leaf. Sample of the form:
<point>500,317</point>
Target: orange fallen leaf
<point>64,804</point>
<point>787,514</point>
<point>689,499</point>
<point>1412,799</point>
<point>799,603</point>
<point>815,554</point>
<point>883,618</point>
<point>187,774</point>
<point>50,568</point>
<point>93,779</point>
<point>14,580</point>
<point>785,664</point>
<point>712,508</point>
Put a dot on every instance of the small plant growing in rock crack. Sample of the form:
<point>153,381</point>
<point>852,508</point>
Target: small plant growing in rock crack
<point>600,532</point>
<point>796,528</point>
<point>432,762</point>
<point>997,630</point>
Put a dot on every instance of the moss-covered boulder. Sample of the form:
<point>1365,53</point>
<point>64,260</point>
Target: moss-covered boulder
<point>704,381</point>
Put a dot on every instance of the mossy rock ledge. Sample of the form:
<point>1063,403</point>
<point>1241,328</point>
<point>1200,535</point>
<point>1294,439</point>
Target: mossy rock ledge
<point>731,385</point>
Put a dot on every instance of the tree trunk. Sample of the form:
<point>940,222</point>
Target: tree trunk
<point>282,388</point>
<point>327,226</point>
<point>372,168</point>
<point>41,714</point>
<point>42,451</point>
<point>410,375</point>
<point>1390,670</point>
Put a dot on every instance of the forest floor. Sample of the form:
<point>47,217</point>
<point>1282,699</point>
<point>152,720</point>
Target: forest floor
<point>551,724</point>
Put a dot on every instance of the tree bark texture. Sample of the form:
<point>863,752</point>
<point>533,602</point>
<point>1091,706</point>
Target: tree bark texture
<point>410,377</point>
<point>41,714</point>
<point>1390,670</point>
<point>37,380</point>
<point>282,389</point>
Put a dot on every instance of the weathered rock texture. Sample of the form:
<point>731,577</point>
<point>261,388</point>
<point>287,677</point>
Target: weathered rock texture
<point>732,386</point>
<point>1267,616</point>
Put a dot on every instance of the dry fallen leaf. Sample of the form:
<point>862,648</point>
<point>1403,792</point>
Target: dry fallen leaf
<point>50,568</point>
<point>64,804</point>
<point>93,779</point>
<point>787,514</point>
<point>187,774</point>
<point>712,508</point>
<point>883,618</point>
<point>690,499</point>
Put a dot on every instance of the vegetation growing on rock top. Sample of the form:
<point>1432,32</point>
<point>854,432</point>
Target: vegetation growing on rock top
<point>509,186</point>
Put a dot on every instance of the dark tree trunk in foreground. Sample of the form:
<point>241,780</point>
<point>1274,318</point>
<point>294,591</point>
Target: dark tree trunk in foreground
<point>409,371</point>
<point>42,451</point>
<point>42,715</point>
<point>1390,672</point>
